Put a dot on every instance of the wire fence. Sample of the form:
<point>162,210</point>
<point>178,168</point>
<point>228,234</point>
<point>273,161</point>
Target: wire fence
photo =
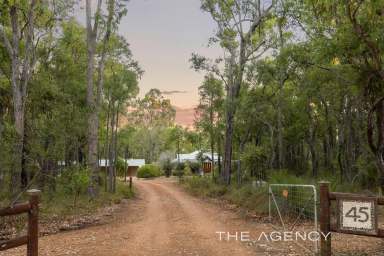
<point>293,208</point>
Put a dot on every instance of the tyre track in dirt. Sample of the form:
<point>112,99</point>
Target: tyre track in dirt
<point>163,220</point>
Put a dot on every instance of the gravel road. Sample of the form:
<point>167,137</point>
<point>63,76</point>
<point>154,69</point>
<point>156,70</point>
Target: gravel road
<point>164,220</point>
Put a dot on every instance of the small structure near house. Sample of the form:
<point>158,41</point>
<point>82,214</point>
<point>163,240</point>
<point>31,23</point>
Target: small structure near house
<point>133,166</point>
<point>103,164</point>
<point>194,158</point>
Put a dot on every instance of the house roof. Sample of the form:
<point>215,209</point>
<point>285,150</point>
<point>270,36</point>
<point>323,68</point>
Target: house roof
<point>103,162</point>
<point>192,157</point>
<point>130,162</point>
<point>135,162</point>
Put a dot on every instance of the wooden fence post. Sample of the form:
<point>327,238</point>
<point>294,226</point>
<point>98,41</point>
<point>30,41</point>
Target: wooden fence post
<point>325,223</point>
<point>33,223</point>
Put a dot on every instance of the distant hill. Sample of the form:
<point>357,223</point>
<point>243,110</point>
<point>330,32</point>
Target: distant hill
<point>185,116</point>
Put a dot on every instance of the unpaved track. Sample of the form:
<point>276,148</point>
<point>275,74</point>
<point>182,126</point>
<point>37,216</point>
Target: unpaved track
<point>166,221</point>
<point>163,220</point>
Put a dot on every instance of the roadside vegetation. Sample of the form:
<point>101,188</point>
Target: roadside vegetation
<point>296,97</point>
<point>64,204</point>
<point>252,194</point>
<point>298,91</point>
<point>149,171</point>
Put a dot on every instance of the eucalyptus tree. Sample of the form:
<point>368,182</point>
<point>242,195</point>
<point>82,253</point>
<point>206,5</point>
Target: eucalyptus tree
<point>242,33</point>
<point>122,86</point>
<point>211,94</point>
<point>23,25</point>
<point>152,115</point>
<point>348,32</point>
<point>115,11</point>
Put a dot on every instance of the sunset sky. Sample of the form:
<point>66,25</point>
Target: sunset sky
<point>163,34</point>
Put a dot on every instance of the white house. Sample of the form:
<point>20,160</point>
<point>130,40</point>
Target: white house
<point>192,157</point>
<point>130,162</point>
<point>135,162</point>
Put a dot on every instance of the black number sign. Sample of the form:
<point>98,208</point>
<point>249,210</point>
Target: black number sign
<point>357,215</point>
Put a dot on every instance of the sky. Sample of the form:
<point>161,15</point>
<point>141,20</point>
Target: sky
<point>162,35</point>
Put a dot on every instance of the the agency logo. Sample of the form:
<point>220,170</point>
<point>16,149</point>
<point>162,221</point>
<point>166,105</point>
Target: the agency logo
<point>274,236</point>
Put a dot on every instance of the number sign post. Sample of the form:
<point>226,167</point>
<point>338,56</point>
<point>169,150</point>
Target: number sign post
<point>355,214</point>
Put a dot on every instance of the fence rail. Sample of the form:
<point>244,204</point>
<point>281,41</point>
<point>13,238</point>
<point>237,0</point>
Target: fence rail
<point>326,197</point>
<point>32,209</point>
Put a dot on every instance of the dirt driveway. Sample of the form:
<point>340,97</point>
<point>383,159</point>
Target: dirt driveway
<point>164,220</point>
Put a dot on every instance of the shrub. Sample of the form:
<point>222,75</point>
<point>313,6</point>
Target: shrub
<point>75,182</point>
<point>179,166</point>
<point>149,171</point>
<point>120,166</point>
<point>179,169</point>
<point>249,197</point>
<point>285,177</point>
<point>165,163</point>
<point>255,199</point>
<point>194,167</point>
<point>203,186</point>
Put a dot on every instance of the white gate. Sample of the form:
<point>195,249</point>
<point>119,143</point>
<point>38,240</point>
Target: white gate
<point>293,208</point>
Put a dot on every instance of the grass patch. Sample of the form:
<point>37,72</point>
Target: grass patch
<point>61,204</point>
<point>149,171</point>
<point>246,196</point>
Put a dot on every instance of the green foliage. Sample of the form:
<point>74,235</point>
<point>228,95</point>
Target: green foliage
<point>249,197</point>
<point>165,163</point>
<point>194,167</point>
<point>286,177</point>
<point>149,171</point>
<point>203,186</point>
<point>254,199</point>
<point>167,168</point>
<point>59,203</point>
<point>179,166</point>
<point>179,169</point>
<point>74,181</point>
<point>120,166</point>
<point>253,159</point>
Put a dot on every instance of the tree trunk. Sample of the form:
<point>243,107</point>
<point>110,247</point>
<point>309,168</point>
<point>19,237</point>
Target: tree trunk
<point>241,150</point>
<point>107,144</point>
<point>125,163</point>
<point>19,142</point>
<point>282,74</point>
<point>21,69</point>
<point>219,153</point>
<point>380,141</point>
<point>226,175</point>
<point>111,153</point>
<point>212,141</point>
<point>115,148</point>
<point>329,143</point>
<point>1,143</point>
<point>312,141</point>
<point>92,133</point>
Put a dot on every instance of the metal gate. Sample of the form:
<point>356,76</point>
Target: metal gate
<point>293,208</point>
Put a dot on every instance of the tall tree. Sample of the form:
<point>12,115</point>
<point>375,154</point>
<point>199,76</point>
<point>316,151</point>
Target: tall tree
<point>92,32</point>
<point>94,103</point>
<point>352,28</point>
<point>242,35</point>
<point>21,49</point>
<point>211,99</point>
